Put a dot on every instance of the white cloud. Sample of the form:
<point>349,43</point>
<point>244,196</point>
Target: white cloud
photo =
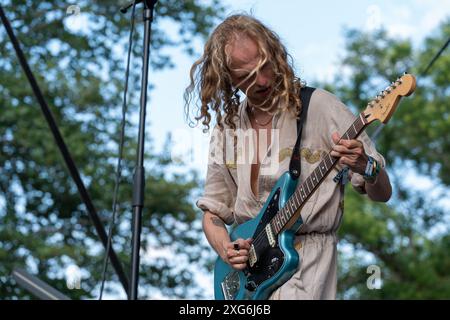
<point>417,21</point>
<point>401,30</point>
<point>374,18</point>
<point>434,17</point>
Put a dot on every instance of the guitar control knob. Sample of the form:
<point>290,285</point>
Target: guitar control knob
<point>250,286</point>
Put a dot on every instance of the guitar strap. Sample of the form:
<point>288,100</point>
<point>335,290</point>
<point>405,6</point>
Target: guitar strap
<point>294,165</point>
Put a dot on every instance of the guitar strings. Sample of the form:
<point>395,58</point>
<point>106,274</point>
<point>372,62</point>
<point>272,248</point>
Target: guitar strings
<point>361,124</point>
<point>261,236</point>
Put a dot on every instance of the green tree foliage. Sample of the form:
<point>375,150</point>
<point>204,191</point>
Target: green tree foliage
<point>44,226</point>
<point>409,237</point>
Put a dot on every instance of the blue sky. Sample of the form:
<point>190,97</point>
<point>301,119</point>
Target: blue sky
<point>313,32</point>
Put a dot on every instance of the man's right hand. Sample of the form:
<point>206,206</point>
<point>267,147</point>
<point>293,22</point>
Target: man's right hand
<point>237,253</point>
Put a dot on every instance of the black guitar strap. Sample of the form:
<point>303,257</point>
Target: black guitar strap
<point>294,165</point>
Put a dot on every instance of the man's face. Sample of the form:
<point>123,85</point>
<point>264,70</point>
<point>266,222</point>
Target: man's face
<point>244,58</point>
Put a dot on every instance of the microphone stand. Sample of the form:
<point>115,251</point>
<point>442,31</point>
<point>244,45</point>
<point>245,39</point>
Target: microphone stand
<point>139,178</point>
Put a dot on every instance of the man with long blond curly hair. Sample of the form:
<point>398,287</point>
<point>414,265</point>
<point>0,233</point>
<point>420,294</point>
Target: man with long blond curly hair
<point>253,140</point>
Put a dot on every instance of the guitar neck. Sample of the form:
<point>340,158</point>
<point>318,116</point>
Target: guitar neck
<point>288,215</point>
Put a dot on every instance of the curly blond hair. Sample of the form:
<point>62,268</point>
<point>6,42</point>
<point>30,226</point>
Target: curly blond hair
<point>211,79</point>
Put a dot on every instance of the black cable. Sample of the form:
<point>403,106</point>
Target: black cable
<point>119,161</point>
<point>64,151</point>
<point>423,73</point>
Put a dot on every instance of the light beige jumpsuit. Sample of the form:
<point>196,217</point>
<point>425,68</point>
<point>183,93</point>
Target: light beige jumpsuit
<point>228,190</point>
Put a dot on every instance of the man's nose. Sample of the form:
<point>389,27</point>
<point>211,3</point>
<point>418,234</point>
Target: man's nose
<point>262,80</point>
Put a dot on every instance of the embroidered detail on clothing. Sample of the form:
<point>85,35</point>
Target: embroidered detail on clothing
<point>311,157</point>
<point>237,155</point>
<point>231,165</point>
<point>284,153</point>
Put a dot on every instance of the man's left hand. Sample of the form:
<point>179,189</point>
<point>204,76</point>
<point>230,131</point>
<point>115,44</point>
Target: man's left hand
<point>350,153</point>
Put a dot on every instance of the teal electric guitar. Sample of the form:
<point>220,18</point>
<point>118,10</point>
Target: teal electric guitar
<point>272,256</point>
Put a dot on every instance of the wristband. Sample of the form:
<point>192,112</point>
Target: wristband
<point>372,170</point>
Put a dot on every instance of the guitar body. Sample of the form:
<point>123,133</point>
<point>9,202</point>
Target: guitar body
<point>277,264</point>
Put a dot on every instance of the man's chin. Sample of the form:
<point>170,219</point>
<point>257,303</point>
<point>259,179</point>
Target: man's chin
<point>264,104</point>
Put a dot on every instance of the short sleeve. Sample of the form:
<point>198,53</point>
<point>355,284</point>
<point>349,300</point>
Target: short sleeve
<point>220,190</point>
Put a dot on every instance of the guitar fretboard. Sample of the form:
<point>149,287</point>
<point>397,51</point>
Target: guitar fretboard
<point>306,189</point>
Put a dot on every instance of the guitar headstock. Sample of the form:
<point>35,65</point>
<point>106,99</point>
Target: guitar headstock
<point>383,106</point>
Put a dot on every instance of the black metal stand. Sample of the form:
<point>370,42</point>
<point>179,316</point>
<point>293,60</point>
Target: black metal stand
<point>37,287</point>
<point>139,178</point>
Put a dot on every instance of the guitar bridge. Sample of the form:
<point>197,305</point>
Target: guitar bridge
<point>230,285</point>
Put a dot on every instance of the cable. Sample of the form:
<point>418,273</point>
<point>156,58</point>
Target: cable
<point>119,161</point>
<point>423,73</point>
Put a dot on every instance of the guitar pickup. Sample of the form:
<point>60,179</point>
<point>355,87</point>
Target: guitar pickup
<point>270,235</point>
<point>252,258</point>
